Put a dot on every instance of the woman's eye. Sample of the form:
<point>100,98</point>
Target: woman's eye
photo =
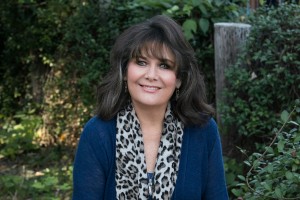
<point>164,66</point>
<point>141,63</point>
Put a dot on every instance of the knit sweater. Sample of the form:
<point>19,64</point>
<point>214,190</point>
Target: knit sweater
<point>200,175</point>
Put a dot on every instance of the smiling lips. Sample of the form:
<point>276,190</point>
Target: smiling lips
<point>149,88</point>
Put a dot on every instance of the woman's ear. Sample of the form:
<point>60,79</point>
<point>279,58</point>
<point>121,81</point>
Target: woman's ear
<point>178,83</point>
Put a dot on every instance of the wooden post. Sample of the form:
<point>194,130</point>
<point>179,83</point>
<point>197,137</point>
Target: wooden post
<point>228,40</point>
<point>254,4</point>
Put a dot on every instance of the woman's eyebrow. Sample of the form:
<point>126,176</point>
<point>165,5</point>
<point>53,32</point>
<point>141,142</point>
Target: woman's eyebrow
<point>141,57</point>
<point>167,61</point>
<point>164,60</point>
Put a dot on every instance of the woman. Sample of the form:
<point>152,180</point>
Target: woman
<point>153,136</point>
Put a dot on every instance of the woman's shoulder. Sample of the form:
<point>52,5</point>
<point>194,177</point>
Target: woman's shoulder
<point>206,135</point>
<point>208,131</point>
<point>97,127</point>
<point>210,127</point>
<point>97,122</point>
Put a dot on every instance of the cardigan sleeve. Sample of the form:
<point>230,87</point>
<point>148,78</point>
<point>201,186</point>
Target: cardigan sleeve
<point>216,185</point>
<point>89,176</point>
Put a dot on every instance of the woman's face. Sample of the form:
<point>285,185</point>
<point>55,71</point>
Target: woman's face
<point>152,81</point>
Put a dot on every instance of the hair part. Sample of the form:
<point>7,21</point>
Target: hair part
<point>152,38</point>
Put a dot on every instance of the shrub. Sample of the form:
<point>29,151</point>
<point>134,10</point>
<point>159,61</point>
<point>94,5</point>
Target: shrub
<point>18,135</point>
<point>53,183</point>
<point>81,60</point>
<point>265,80</point>
<point>275,174</point>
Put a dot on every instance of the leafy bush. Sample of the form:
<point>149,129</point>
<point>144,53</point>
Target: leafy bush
<point>18,135</point>
<point>82,59</point>
<point>30,33</point>
<point>265,80</point>
<point>50,183</point>
<point>275,174</point>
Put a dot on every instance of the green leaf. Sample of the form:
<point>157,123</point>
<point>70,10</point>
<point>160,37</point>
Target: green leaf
<point>38,185</point>
<point>255,164</point>
<point>295,167</point>
<point>284,116</point>
<point>294,123</point>
<point>247,163</point>
<point>218,3</point>
<point>278,192</point>
<point>289,175</point>
<point>266,186</point>
<point>241,177</point>
<point>51,180</point>
<point>280,145</point>
<point>173,9</point>
<point>269,168</point>
<point>196,3</point>
<point>236,192</point>
<point>230,177</point>
<point>204,25</point>
<point>297,139</point>
<point>189,27</point>
<point>203,9</point>
<point>270,150</point>
<point>187,9</point>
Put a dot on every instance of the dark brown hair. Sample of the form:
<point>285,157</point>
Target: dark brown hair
<point>160,31</point>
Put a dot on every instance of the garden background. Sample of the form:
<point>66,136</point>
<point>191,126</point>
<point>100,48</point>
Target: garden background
<point>53,54</point>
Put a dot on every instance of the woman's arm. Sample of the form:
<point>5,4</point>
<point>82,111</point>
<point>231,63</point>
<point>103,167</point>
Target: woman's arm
<point>89,175</point>
<point>216,185</point>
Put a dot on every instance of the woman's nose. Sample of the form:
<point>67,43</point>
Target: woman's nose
<point>151,73</point>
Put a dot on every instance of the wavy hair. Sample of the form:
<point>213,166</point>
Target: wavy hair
<point>151,36</point>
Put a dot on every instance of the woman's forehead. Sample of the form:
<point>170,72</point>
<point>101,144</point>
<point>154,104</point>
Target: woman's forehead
<point>155,49</point>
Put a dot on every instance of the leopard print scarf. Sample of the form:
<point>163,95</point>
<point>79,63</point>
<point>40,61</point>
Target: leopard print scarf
<point>131,172</point>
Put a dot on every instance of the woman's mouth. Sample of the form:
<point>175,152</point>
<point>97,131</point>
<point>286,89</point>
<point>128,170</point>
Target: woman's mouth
<point>149,88</point>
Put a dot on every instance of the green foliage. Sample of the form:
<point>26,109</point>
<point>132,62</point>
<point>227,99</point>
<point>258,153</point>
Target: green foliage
<point>50,183</point>
<point>30,33</point>
<point>275,174</point>
<point>198,18</point>
<point>81,60</point>
<point>265,80</point>
<point>201,15</point>
<point>40,173</point>
<point>232,168</point>
<point>18,135</point>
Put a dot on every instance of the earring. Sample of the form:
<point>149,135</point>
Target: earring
<point>125,87</point>
<point>177,93</point>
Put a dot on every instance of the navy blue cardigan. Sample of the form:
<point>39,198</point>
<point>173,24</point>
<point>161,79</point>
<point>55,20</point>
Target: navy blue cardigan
<point>200,175</point>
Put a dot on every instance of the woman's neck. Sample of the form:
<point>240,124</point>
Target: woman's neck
<point>150,116</point>
<point>151,119</point>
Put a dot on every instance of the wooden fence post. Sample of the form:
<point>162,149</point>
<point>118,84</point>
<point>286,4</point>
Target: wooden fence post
<point>228,40</point>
